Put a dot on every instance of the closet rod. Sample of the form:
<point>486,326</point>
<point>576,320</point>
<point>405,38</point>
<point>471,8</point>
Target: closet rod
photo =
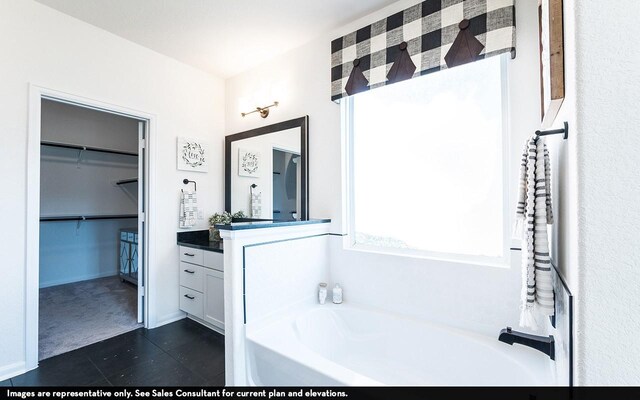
<point>87,217</point>
<point>87,148</point>
<point>123,181</point>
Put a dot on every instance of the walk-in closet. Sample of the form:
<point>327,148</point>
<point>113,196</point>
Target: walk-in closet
<point>90,248</point>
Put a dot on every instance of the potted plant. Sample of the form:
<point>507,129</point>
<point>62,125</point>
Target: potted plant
<point>224,218</point>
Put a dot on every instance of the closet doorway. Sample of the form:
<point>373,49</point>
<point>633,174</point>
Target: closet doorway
<point>91,227</point>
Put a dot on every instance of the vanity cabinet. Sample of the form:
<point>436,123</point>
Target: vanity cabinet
<point>202,286</point>
<point>214,304</point>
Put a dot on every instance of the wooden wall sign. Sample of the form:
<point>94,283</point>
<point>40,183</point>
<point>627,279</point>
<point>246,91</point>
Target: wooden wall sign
<point>551,59</point>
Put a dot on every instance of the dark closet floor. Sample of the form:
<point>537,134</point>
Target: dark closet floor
<point>183,353</point>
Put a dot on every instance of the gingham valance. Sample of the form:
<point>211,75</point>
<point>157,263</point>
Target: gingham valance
<point>425,38</point>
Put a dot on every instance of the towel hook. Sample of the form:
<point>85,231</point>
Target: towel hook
<point>195,185</point>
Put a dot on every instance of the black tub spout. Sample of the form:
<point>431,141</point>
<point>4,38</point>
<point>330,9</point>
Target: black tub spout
<point>542,343</point>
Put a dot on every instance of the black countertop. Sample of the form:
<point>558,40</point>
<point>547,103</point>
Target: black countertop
<point>236,226</point>
<point>199,240</point>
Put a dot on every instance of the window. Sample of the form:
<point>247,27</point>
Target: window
<point>428,173</point>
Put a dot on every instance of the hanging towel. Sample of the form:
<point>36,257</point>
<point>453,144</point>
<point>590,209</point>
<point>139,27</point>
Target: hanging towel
<point>188,209</point>
<point>532,216</point>
<point>256,205</point>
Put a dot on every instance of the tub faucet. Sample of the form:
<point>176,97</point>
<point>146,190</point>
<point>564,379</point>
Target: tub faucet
<point>542,343</point>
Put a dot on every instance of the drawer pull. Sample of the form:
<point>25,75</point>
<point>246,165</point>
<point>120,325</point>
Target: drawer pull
<point>189,297</point>
<point>189,272</point>
<point>189,255</point>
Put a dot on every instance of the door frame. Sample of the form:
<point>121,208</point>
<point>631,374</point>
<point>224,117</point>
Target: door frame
<point>32,256</point>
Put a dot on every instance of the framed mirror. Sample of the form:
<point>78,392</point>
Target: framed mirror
<point>267,171</point>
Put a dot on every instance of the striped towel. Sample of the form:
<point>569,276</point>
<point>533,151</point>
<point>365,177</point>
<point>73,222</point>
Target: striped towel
<point>534,212</point>
<point>188,209</point>
<point>256,205</point>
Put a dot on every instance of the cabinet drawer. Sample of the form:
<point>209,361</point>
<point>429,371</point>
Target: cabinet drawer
<point>214,260</point>
<point>191,276</point>
<point>190,255</point>
<point>192,302</point>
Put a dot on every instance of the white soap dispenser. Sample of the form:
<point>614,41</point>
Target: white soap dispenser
<point>337,294</point>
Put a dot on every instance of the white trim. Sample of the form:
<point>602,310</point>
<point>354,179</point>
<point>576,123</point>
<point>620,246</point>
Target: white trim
<point>206,324</point>
<point>169,318</point>
<point>32,223</point>
<point>77,279</point>
<point>503,261</point>
<point>11,370</point>
<point>481,261</point>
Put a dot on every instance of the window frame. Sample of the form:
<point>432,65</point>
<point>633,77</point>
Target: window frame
<point>347,109</point>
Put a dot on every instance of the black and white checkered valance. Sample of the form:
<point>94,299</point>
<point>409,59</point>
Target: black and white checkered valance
<point>425,38</point>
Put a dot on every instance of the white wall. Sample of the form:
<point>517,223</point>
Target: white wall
<point>595,237</point>
<point>46,48</point>
<point>61,122</point>
<point>607,57</point>
<point>240,185</point>
<point>442,291</point>
<point>278,275</point>
<point>71,254</point>
<point>277,279</point>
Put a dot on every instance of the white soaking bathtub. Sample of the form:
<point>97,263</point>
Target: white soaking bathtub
<point>329,345</point>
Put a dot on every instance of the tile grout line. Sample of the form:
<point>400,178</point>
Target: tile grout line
<point>185,366</point>
<point>175,359</point>
<point>99,370</point>
<point>205,331</point>
<point>152,342</point>
<point>142,363</point>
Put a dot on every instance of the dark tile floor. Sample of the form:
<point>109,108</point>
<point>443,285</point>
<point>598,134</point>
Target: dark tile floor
<point>183,353</point>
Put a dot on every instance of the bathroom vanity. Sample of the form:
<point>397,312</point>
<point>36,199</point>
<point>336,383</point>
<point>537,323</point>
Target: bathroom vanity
<point>201,272</point>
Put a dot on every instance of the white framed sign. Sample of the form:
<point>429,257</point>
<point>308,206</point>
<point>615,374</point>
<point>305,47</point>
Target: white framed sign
<point>192,155</point>
<point>249,163</point>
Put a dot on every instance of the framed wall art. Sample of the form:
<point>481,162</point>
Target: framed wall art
<point>249,163</point>
<point>192,155</point>
<point>552,86</point>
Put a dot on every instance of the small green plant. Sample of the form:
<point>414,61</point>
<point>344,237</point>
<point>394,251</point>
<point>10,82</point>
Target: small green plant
<point>225,217</point>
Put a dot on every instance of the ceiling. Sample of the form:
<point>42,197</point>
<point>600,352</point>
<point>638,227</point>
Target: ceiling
<point>217,36</point>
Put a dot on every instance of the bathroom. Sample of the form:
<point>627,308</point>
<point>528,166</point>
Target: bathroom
<point>450,276</point>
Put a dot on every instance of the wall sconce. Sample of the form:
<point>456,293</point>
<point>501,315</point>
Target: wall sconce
<point>264,111</point>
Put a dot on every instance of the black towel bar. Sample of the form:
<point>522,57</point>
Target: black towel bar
<point>564,131</point>
<point>195,185</point>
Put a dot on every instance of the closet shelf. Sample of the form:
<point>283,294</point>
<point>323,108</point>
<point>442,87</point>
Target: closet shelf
<point>87,148</point>
<point>86,217</point>
<point>125,181</point>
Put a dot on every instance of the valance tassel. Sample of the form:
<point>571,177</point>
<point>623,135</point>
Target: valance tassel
<point>357,82</point>
<point>403,68</point>
<point>465,48</point>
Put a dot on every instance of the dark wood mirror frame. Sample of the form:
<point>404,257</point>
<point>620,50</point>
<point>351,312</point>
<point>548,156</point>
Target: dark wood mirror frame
<point>303,124</point>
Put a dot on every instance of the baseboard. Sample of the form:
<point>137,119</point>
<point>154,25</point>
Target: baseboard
<point>11,370</point>
<point>206,324</point>
<point>78,279</point>
<point>169,318</point>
